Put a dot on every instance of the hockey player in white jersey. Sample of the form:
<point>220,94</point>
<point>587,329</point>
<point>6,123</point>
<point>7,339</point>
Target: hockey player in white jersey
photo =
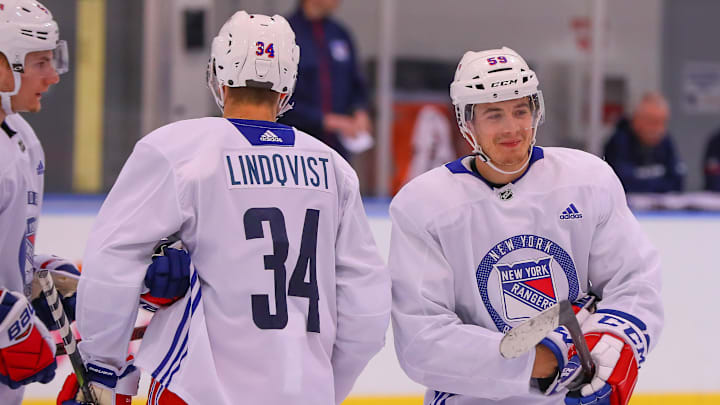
<point>31,59</point>
<point>289,298</point>
<point>487,241</point>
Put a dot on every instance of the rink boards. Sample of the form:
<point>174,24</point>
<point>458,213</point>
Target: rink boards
<point>681,370</point>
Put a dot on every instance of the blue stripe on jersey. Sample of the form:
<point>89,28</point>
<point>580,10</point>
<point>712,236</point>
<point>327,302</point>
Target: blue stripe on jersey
<point>456,166</point>
<point>265,133</point>
<point>440,397</point>
<point>184,347</point>
<point>178,332</point>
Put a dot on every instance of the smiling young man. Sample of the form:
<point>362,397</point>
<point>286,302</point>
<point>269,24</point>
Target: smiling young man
<point>492,239</point>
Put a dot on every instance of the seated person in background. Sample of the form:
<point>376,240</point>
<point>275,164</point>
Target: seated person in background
<point>642,153</point>
<point>711,163</point>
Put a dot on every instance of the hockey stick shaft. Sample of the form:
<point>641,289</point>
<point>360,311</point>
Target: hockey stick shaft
<point>569,320</point>
<point>68,340</point>
<point>138,333</point>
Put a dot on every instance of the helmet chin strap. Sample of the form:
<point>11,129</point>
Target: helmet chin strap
<point>486,159</point>
<point>5,96</point>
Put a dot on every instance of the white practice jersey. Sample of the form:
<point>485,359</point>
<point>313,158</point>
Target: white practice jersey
<point>22,168</point>
<point>468,262</point>
<point>289,297</point>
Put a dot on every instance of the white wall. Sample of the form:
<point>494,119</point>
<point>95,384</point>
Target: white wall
<point>683,361</point>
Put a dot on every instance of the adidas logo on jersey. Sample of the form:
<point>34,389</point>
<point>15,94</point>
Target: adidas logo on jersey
<point>571,212</point>
<point>270,137</point>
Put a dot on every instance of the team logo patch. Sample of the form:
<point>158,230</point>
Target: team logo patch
<point>526,286</point>
<point>40,168</point>
<point>523,275</point>
<point>27,251</point>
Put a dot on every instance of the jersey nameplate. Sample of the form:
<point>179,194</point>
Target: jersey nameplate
<point>310,170</point>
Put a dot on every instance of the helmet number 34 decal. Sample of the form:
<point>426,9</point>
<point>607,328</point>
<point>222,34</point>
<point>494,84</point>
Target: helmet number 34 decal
<point>495,61</point>
<point>269,51</point>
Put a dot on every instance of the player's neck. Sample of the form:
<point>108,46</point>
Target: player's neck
<point>250,112</point>
<point>493,176</point>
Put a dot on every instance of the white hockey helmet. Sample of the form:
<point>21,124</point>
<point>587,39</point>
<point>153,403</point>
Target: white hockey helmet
<point>491,76</point>
<point>254,50</point>
<point>27,26</point>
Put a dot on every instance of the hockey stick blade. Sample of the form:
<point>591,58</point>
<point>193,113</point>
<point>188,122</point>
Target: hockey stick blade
<point>523,338</point>
<point>138,333</point>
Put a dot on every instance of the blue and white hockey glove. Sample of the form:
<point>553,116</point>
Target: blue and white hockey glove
<point>27,350</point>
<point>560,343</point>
<point>66,277</point>
<point>168,276</point>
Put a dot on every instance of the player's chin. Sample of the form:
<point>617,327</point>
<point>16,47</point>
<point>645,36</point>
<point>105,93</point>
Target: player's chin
<point>35,107</point>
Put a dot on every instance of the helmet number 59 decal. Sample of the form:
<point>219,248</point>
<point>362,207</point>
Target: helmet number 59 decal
<point>495,61</point>
<point>261,49</point>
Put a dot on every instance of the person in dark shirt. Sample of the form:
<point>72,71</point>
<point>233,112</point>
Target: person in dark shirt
<point>712,163</point>
<point>330,100</point>
<point>641,151</point>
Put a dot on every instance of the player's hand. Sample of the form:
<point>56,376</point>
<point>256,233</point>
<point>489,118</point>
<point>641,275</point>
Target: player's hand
<point>107,390</point>
<point>546,364</point>
<point>616,371</point>
<point>27,350</point>
<point>559,343</point>
<point>65,276</point>
<point>168,276</point>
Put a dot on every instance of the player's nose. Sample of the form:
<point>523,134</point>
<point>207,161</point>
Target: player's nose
<point>52,78</point>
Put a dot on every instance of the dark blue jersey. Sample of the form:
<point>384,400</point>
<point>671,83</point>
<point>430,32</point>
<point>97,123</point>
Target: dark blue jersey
<point>642,168</point>
<point>329,80</point>
<point>711,163</point>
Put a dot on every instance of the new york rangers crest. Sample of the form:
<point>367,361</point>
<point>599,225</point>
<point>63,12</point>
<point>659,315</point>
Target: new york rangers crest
<point>26,254</point>
<point>526,286</point>
<point>523,275</point>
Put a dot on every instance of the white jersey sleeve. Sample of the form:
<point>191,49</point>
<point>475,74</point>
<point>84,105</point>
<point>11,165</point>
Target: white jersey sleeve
<point>624,270</point>
<point>433,345</point>
<point>21,191</point>
<point>363,293</point>
<point>141,208</point>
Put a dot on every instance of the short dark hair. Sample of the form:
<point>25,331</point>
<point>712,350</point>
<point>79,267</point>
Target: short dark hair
<point>252,95</point>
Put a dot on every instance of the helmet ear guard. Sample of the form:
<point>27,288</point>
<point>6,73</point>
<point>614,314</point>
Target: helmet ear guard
<point>254,50</point>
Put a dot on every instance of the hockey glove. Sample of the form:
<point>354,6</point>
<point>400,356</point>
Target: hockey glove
<point>107,387</point>
<point>168,276</point>
<point>27,350</point>
<point>616,372</point>
<point>66,277</point>
<point>618,344</point>
<point>560,343</point>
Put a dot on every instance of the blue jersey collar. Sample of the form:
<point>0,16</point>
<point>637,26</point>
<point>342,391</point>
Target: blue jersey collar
<point>265,133</point>
<point>456,166</point>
